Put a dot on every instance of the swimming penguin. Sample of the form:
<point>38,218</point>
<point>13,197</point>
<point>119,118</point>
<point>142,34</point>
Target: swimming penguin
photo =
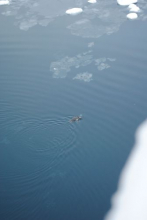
<point>76,118</point>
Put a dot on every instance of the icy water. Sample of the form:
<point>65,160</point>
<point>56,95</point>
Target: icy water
<point>54,66</point>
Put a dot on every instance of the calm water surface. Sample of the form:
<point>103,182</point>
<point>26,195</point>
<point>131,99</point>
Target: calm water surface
<point>55,66</point>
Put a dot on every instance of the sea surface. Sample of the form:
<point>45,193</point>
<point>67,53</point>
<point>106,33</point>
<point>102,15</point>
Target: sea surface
<point>55,66</point>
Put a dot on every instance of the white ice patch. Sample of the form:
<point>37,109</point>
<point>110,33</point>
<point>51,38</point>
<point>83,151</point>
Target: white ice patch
<point>86,77</point>
<point>126,2</point>
<point>5,2</point>
<point>130,200</point>
<point>132,16</point>
<point>134,8</point>
<point>74,11</point>
<point>92,1</point>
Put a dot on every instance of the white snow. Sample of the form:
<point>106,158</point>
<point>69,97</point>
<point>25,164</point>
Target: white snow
<point>126,2</point>
<point>130,200</point>
<point>6,2</point>
<point>134,8</point>
<point>132,16</point>
<point>92,1</point>
<point>74,11</point>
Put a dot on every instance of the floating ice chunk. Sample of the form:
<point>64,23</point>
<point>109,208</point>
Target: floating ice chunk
<point>129,202</point>
<point>92,1</point>
<point>4,2</point>
<point>134,8</point>
<point>74,11</point>
<point>132,16</point>
<point>86,77</point>
<point>126,2</point>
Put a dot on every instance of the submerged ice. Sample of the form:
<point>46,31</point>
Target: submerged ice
<point>86,77</point>
<point>61,67</point>
<point>108,21</point>
<point>102,64</point>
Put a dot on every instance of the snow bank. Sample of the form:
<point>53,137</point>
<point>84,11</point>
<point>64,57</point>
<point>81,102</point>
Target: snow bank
<point>130,200</point>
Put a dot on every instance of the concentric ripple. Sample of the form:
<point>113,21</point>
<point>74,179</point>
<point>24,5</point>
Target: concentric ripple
<point>55,135</point>
<point>50,140</point>
<point>42,146</point>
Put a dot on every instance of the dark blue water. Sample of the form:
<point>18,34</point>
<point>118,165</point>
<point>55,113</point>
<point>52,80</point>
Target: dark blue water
<point>53,67</point>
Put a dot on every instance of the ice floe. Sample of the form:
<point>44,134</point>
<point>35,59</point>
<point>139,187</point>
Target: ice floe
<point>86,77</point>
<point>4,2</point>
<point>126,2</point>
<point>132,16</point>
<point>92,1</point>
<point>74,11</point>
<point>134,8</point>
<point>129,202</point>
